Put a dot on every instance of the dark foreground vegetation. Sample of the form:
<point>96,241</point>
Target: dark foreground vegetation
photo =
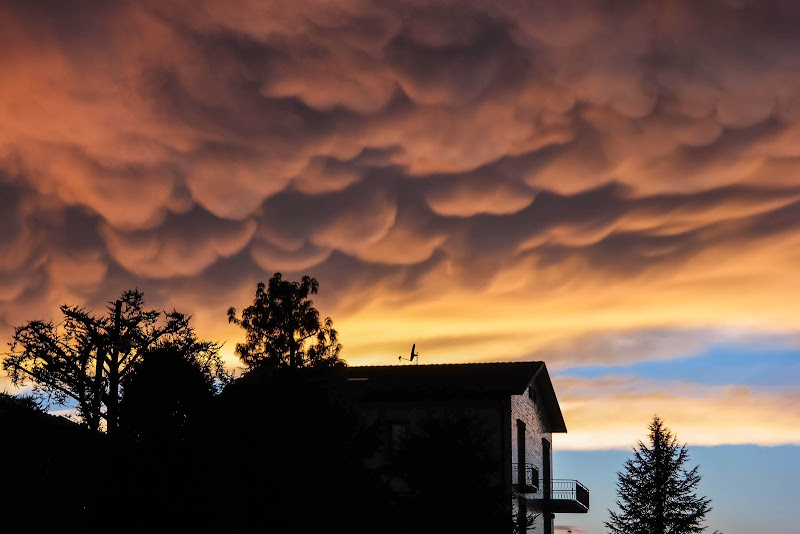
<point>278,450</point>
<point>168,441</point>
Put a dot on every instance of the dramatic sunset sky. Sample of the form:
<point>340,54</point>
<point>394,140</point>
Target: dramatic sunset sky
<point>612,187</point>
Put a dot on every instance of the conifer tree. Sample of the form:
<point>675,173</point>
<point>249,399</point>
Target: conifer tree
<point>657,495</point>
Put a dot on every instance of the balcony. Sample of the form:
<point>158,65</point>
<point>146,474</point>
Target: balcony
<point>566,496</point>
<point>525,478</point>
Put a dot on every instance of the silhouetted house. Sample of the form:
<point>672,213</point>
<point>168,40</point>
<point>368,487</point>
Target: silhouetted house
<point>510,409</point>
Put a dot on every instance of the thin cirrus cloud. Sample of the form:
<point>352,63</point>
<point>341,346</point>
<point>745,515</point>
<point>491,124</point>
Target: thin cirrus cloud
<point>603,412</point>
<point>496,180</point>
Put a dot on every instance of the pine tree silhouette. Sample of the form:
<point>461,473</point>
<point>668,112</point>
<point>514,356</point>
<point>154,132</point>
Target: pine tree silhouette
<point>657,495</point>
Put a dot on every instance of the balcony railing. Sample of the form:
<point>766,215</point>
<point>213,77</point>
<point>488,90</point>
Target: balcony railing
<point>525,478</point>
<point>565,493</point>
<point>566,496</point>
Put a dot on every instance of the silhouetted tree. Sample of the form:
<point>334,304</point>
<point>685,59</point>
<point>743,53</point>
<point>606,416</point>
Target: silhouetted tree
<point>284,329</point>
<point>24,403</point>
<point>165,417</point>
<point>167,396</point>
<point>656,493</point>
<point>83,359</point>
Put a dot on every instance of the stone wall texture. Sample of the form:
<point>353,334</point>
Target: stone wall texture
<point>530,412</point>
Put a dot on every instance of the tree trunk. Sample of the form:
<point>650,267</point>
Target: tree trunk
<point>94,416</point>
<point>113,374</point>
<point>660,481</point>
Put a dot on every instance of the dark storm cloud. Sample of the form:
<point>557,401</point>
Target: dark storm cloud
<point>15,241</point>
<point>184,245</point>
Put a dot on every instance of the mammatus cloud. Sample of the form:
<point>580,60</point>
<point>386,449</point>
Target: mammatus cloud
<point>186,245</point>
<point>492,180</point>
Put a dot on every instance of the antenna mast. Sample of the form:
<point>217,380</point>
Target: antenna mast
<point>414,355</point>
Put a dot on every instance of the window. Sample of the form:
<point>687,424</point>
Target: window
<point>534,478</point>
<point>520,452</point>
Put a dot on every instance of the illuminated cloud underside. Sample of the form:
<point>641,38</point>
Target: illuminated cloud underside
<point>493,181</point>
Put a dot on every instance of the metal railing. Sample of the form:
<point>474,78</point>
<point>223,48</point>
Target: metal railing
<point>560,489</point>
<point>569,490</point>
<point>525,476</point>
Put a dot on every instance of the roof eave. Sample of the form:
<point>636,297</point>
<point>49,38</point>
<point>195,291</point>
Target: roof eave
<point>548,393</point>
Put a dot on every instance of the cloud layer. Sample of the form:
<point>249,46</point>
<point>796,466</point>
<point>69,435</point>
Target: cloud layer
<point>490,180</point>
<point>611,412</point>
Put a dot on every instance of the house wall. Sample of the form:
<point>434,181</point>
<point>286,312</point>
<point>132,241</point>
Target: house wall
<point>496,416</point>
<point>482,413</point>
<point>484,419</point>
<point>536,424</point>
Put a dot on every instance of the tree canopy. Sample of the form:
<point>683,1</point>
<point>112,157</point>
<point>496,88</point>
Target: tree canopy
<point>284,329</point>
<point>165,398</point>
<point>657,495</point>
<point>82,360</point>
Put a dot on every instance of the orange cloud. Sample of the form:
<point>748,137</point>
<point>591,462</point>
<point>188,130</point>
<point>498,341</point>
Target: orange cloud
<point>177,251</point>
<point>465,199</point>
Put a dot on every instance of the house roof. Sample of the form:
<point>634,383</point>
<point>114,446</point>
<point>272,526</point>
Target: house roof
<point>425,381</point>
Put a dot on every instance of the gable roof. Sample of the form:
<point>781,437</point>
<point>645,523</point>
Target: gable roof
<point>425,381</point>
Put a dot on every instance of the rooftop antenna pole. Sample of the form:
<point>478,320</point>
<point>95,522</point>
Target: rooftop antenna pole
<point>414,355</point>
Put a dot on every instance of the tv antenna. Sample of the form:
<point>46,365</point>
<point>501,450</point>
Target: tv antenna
<point>413,355</point>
